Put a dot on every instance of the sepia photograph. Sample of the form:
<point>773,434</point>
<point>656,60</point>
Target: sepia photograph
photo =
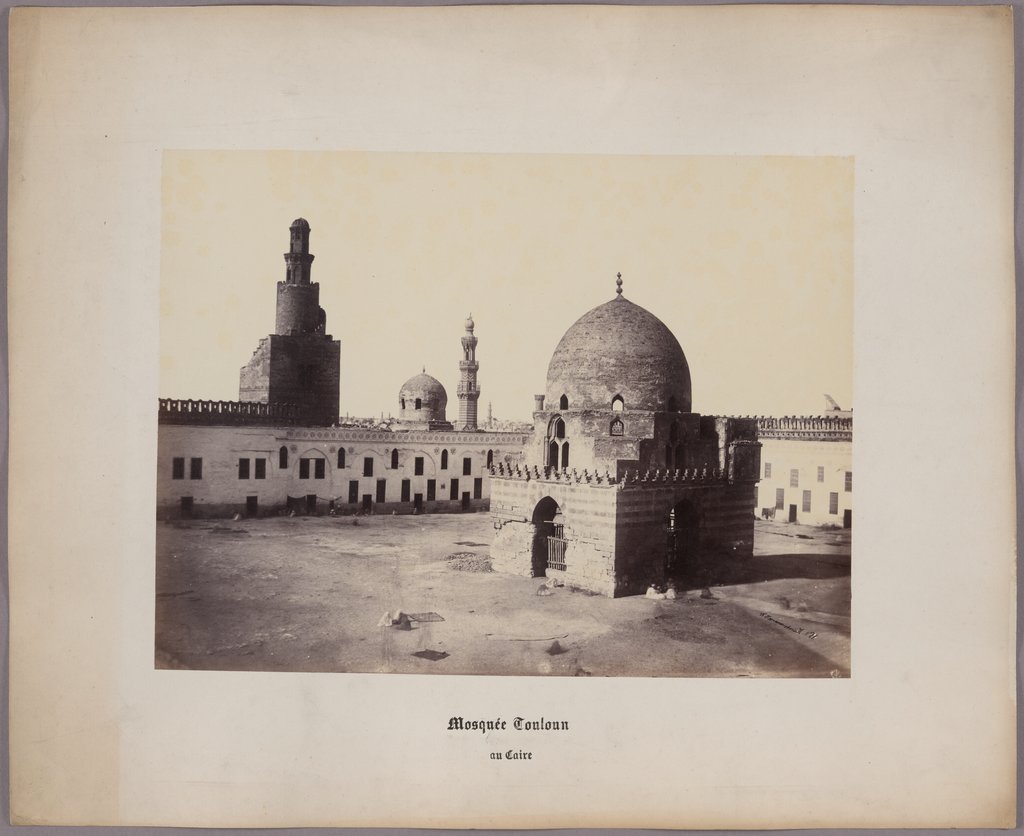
<point>505,414</point>
<point>450,414</point>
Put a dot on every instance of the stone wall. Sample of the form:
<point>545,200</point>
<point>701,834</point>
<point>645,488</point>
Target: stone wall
<point>254,377</point>
<point>222,488</point>
<point>588,511</point>
<point>725,529</point>
<point>305,370</point>
<point>300,370</point>
<point>298,308</point>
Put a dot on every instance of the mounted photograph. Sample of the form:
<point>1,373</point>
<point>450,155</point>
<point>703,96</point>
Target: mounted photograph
<point>644,470</point>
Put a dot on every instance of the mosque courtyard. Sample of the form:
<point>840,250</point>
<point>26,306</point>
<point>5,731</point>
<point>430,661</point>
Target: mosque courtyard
<point>309,593</point>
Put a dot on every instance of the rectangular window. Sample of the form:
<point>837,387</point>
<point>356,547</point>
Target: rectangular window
<point>794,478</point>
<point>454,489</point>
<point>780,498</point>
<point>303,468</point>
<point>478,488</point>
<point>431,490</point>
<point>178,468</point>
<point>418,466</point>
<point>382,487</point>
<point>353,492</point>
<point>319,468</point>
<point>195,469</point>
<point>467,466</point>
<point>261,468</point>
<point>367,466</point>
<point>406,490</point>
<point>243,468</point>
<point>833,503</point>
<point>807,502</point>
<point>849,482</point>
<point>821,474</point>
<point>767,470</point>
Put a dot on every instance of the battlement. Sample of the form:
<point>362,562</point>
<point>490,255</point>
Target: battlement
<point>629,478</point>
<point>232,413</point>
<point>806,427</point>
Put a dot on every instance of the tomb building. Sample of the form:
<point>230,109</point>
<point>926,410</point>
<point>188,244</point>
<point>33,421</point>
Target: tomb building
<point>623,485</point>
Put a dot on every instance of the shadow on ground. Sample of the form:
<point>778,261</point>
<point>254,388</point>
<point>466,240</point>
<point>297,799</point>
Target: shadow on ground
<point>732,571</point>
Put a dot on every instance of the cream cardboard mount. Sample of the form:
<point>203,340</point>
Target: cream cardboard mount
<point>921,734</point>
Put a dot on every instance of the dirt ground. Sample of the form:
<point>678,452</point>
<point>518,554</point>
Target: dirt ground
<point>308,594</point>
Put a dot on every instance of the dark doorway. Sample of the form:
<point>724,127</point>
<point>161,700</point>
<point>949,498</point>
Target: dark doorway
<point>367,503</point>
<point>465,501</point>
<point>252,506</point>
<point>848,518</point>
<point>683,537</point>
<point>310,503</point>
<point>186,507</point>
<point>792,513</point>
<point>417,503</point>
<point>544,528</point>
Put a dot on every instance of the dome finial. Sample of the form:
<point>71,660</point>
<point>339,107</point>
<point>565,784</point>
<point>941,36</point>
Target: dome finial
<point>618,283</point>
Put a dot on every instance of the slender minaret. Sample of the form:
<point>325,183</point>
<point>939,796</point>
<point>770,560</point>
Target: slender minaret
<point>468,392</point>
<point>490,416</point>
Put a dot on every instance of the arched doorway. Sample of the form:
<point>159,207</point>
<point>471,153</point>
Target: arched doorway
<point>548,544</point>
<point>683,537</point>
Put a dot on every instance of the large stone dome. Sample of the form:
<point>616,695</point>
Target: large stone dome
<point>619,349</point>
<point>422,398</point>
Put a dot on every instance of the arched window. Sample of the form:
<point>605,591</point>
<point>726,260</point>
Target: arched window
<point>402,402</point>
<point>394,460</point>
<point>565,456</point>
<point>617,403</point>
<point>616,428</point>
<point>563,402</point>
<point>341,457</point>
<point>444,460</point>
<point>673,406</point>
<point>419,403</point>
<point>282,458</point>
<point>557,428</point>
<point>553,454</point>
<point>490,458</point>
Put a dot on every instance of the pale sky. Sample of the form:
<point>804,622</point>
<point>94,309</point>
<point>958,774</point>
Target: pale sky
<point>749,260</point>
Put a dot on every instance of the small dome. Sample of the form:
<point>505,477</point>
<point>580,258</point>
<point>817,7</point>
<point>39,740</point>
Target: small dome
<point>422,399</point>
<point>300,222</point>
<point>619,349</point>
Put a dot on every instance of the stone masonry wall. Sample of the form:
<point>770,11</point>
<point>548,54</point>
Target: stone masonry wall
<point>589,519</point>
<point>726,529</point>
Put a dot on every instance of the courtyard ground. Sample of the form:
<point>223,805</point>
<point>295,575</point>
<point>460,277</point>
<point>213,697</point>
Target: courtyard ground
<point>308,594</point>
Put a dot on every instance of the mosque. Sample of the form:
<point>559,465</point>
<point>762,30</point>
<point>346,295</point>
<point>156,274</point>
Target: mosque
<point>619,486</point>
<point>279,449</point>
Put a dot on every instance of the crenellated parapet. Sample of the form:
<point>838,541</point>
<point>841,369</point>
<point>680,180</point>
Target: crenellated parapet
<point>233,413</point>
<point>629,479</point>
<point>806,427</point>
